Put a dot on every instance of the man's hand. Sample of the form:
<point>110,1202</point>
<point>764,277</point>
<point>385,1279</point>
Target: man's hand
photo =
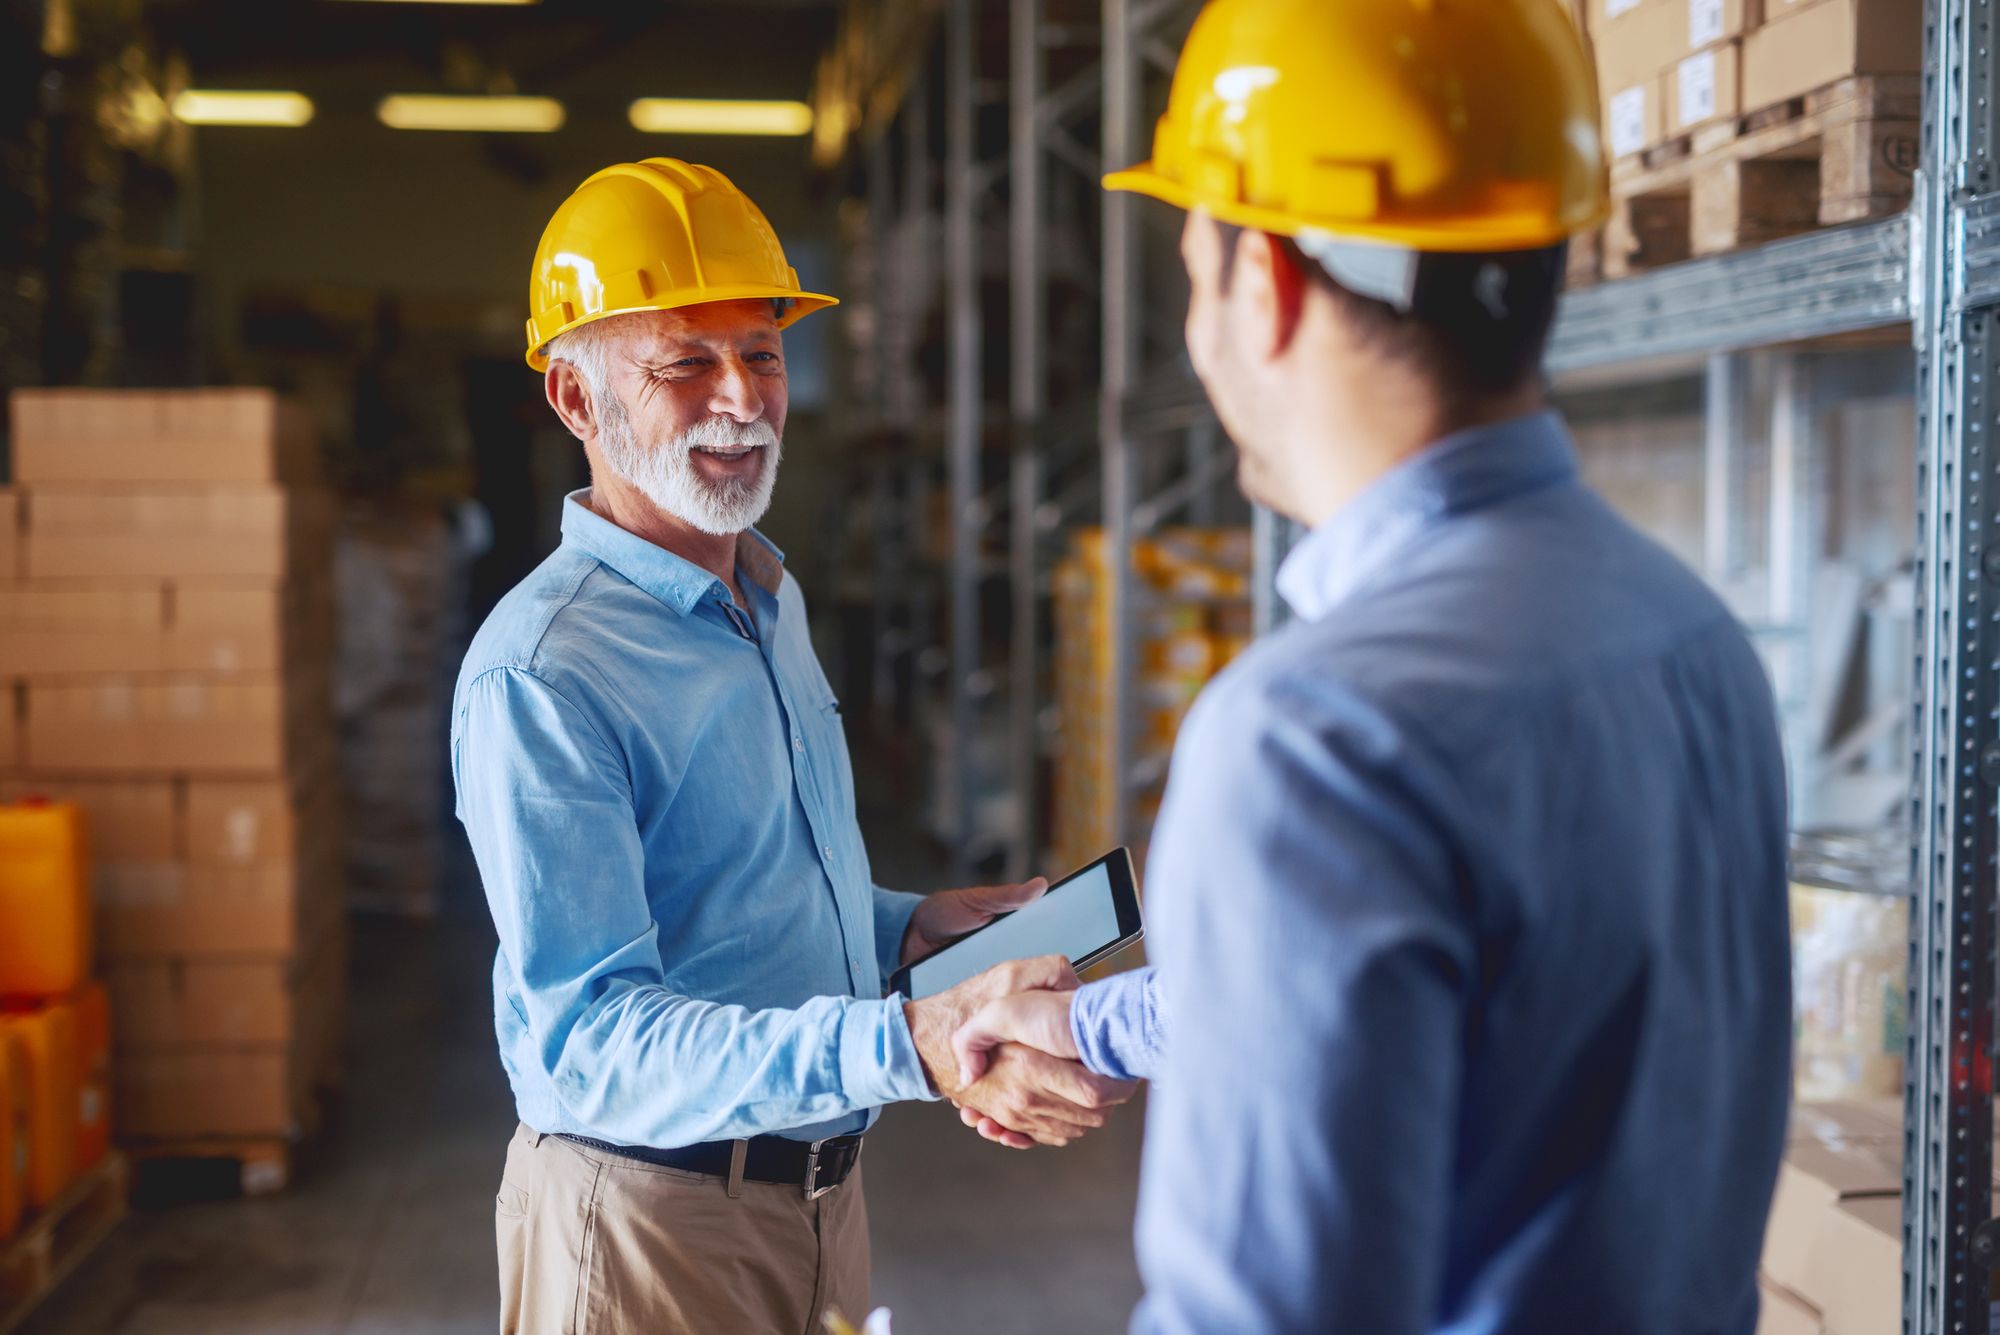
<point>1028,1097</point>
<point>1035,1020</point>
<point>949,914</point>
<point>934,1020</point>
<point>1038,1019</point>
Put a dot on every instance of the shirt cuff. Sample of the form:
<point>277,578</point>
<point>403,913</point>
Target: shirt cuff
<point>878,1058</point>
<point>1117,1026</point>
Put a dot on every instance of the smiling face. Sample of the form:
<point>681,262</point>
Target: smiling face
<point>690,408</point>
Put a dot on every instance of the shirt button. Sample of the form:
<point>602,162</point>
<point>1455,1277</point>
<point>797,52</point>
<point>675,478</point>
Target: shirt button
<point>799,744</point>
<point>828,850</point>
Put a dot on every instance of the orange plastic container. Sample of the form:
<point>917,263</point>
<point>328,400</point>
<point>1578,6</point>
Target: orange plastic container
<point>44,1042</point>
<point>13,1140</point>
<point>45,934</point>
<point>93,1076</point>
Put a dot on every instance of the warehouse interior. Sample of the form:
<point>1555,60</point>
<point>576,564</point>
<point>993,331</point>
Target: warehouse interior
<point>272,456</point>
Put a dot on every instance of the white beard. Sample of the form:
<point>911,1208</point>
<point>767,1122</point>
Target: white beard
<point>667,476</point>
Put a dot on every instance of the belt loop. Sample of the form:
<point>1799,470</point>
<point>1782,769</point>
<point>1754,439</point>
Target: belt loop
<point>739,1151</point>
<point>540,1136</point>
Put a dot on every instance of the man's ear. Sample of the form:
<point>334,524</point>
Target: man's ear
<point>570,397</point>
<point>1271,291</point>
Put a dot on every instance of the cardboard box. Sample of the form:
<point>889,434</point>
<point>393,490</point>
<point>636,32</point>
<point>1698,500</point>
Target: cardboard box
<point>130,820</point>
<point>163,910</point>
<point>243,822</point>
<point>10,723</point>
<point>1705,87</point>
<point>10,533</point>
<point>1782,1312</point>
<point>247,532</point>
<point>185,1002</point>
<point>176,435</point>
<point>1820,43</point>
<point>254,723</point>
<point>1640,44</point>
<point>237,627</point>
<point>72,627</point>
<point>1635,118</point>
<point>66,627</point>
<point>1702,23</point>
<point>1814,1178</point>
<point>211,1092</point>
<point>1857,1267</point>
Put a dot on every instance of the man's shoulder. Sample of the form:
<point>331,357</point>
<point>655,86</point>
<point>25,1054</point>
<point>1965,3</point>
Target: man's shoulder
<point>544,625</point>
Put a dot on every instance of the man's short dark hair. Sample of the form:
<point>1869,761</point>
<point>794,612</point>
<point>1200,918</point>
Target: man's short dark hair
<point>1473,334</point>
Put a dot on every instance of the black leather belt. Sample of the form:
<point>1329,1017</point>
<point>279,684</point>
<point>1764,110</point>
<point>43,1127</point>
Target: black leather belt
<point>818,1166</point>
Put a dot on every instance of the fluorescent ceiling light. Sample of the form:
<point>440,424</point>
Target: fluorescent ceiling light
<point>474,2</point>
<point>687,115</point>
<point>430,111</point>
<point>214,106</point>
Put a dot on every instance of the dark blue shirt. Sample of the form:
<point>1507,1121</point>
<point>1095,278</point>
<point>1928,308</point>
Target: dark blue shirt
<point>1469,913</point>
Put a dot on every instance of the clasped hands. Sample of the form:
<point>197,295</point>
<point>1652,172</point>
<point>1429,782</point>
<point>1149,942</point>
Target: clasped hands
<point>998,1045</point>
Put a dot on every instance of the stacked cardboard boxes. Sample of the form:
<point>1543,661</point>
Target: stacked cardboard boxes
<point>1668,67</point>
<point>166,623</point>
<point>1192,615</point>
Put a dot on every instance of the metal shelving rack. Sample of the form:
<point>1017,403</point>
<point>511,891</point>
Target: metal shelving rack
<point>1934,270</point>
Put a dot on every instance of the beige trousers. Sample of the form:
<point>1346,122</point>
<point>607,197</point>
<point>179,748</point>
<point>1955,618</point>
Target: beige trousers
<point>592,1243</point>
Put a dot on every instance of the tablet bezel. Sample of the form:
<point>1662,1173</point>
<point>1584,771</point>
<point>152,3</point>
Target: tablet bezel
<point>1124,901</point>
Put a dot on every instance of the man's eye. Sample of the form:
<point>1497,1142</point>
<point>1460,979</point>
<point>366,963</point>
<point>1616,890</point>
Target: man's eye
<point>763,356</point>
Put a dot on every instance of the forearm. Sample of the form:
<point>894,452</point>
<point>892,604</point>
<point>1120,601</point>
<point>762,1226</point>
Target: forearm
<point>893,910</point>
<point>645,1066</point>
<point>1119,1025</point>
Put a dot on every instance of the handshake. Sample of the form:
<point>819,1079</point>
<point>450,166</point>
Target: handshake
<point>999,1046</point>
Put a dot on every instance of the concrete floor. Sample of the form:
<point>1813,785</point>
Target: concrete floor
<point>390,1232</point>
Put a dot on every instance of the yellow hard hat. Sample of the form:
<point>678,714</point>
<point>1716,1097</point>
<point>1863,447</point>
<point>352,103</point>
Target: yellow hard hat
<point>1433,125</point>
<point>654,236</point>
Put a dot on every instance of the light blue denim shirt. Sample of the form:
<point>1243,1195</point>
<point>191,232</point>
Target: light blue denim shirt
<point>657,790</point>
<point>1472,1010</point>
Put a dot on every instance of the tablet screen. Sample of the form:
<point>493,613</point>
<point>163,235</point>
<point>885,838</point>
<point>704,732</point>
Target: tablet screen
<point>1076,918</point>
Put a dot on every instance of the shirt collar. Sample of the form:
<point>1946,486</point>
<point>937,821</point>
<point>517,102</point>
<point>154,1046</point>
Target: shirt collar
<point>674,580</point>
<point>1465,471</point>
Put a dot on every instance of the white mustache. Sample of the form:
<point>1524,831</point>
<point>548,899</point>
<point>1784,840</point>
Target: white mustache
<point>726,433</point>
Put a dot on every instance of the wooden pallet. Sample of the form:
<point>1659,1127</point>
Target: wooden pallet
<point>1837,155</point>
<point>56,1241</point>
<point>215,1165</point>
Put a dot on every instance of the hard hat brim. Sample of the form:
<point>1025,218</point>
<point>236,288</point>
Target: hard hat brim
<point>1457,236</point>
<point>803,304</point>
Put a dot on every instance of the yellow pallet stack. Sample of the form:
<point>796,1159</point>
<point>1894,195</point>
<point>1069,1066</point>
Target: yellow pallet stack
<point>1191,616</point>
<point>165,629</point>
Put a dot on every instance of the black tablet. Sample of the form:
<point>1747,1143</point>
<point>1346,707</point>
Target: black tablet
<point>1087,916</point>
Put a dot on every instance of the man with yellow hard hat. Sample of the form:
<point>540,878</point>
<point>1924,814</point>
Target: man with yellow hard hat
<point>1471,1009</point>
<point>688,992</point>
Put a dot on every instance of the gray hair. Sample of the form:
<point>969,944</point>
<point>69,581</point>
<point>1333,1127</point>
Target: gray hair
<point>588,349</point>
<point>588,346</point>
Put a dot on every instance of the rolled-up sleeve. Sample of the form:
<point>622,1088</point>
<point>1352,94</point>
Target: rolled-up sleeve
<point>1118,1025</point>
<point>548,806</point>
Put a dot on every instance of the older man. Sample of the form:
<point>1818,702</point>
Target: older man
<point>689,987</point>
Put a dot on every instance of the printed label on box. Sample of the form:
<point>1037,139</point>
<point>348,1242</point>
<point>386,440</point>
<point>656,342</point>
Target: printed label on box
<point>1613,8</point>
<point>1697,76</point>
<point>1628,121</point>
<point>1704,22</point>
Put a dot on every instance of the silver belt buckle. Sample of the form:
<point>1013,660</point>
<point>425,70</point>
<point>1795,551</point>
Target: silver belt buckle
<point>813,1190</point>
